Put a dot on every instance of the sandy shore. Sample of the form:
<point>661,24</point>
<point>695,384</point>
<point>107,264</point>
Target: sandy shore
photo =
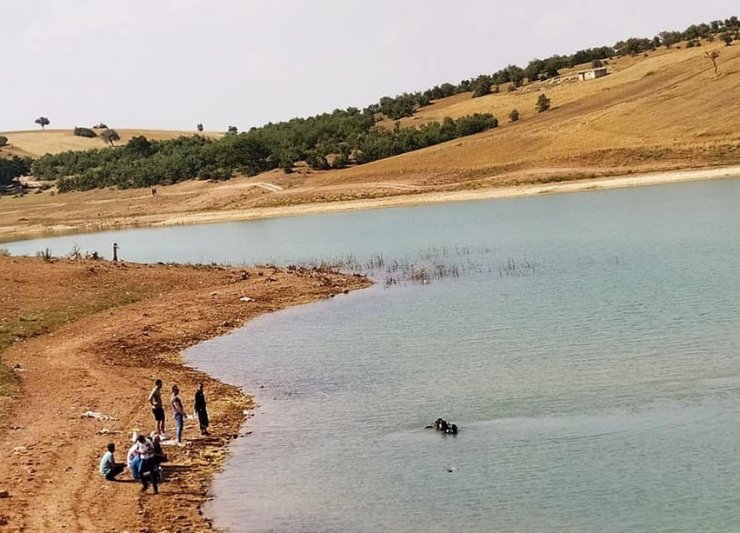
<point>92,336</point>
<point>54,216</point>
<point>616,182</point>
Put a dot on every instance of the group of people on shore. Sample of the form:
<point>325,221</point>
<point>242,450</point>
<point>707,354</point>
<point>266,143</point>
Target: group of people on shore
<point>178,411</point>
<point>145,455</point>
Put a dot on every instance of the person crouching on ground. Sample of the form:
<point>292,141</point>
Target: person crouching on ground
<point>108,466</point>
<point>200,410</point>
<point>133,459</point>
<point>145,449</point>
<point>178,411</point>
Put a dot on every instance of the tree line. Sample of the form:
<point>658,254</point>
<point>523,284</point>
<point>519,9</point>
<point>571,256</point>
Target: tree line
<point>331,140</point>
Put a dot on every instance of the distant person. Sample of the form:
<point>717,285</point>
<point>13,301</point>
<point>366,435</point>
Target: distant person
<point>154,191</point>
<point>145,450</point>
<point>155,399</point>
<point>178,411</point>
<point>200,409</point>
<point>108,466</point>
<point>115,251</point>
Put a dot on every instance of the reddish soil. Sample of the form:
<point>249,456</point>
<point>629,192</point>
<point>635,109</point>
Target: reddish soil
<point>121,326</point>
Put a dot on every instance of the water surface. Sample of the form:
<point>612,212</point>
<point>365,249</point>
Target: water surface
<point>597,383</point>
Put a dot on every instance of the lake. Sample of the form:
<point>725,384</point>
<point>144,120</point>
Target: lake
<point>588,345</point>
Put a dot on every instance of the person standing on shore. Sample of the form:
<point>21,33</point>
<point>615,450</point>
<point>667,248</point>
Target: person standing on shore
<point>155,399</point>
<point>200,409</point>
<point>179,412</point>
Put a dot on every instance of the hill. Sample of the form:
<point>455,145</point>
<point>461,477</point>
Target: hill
<point>660,111</point>
<point>665,109</point>
<point>35,143</point>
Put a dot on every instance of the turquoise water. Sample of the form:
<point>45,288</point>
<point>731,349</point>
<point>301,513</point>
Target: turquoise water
<point>588,345</point>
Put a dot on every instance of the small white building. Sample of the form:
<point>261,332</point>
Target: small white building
<point>592,74</point>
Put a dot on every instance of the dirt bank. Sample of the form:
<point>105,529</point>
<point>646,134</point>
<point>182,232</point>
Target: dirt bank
<point>92,336</point>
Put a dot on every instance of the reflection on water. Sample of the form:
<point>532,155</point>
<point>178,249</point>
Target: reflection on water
<point>586,344</point>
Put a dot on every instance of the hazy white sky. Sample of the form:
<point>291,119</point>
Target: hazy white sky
<point>174,63</point>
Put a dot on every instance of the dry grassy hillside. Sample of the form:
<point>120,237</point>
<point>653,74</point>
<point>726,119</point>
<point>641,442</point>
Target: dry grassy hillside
<point>668,109</point>
<point>665,111</point>
<point>35,143</point>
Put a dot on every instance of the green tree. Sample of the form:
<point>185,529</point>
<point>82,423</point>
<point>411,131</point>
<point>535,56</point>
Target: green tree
<point>11,168</point>
<point>199,127</point>
<point>42,121</point>
<point>727,38</point>
<point>110,136</point>
<point>534,70</point>
<point>516,75</point>
<point>481,86</point>
<point>543,103</point>
<point>669,38</point>
<point>140,146</point>
<point>514,115</point>
<point>232,129</point>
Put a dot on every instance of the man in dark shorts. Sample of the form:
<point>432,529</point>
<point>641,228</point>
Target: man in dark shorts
<point>155,398</point>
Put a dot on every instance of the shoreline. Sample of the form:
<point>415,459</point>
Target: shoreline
<point>105,361</point>
<point>28,232</point>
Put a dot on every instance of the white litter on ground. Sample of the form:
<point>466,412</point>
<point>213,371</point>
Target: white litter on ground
<point>97,416</point>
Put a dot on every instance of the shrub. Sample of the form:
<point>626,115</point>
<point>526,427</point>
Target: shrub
<point>84,132</point>
<point>543,103</point>
<point>101,126</point>
<point>514,115</point>
<point>3,140</point>
<point>340,161</point>
<point>45,254</point>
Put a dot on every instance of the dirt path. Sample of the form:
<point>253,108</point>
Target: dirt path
<point>106,362</point>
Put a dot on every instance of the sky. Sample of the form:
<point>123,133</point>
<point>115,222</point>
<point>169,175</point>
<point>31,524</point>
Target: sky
<point>171,64</point>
